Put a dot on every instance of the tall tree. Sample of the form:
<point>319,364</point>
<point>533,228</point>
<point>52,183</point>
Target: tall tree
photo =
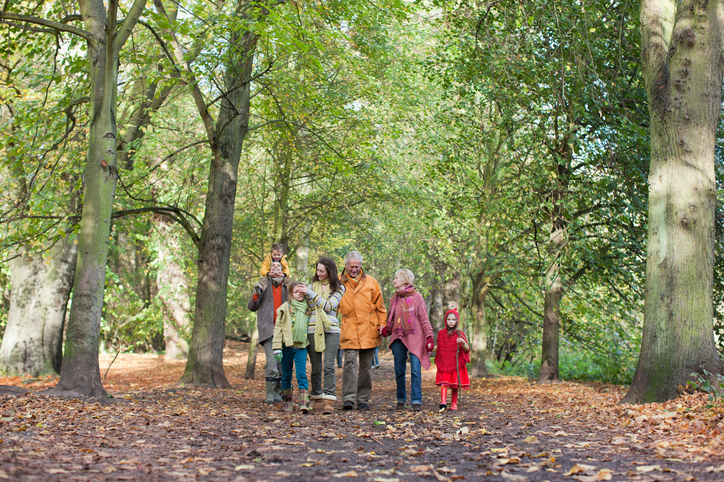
<point>225,137</point>
<point>681,52</point>
<point>105,37</point>
<point>40,154</point>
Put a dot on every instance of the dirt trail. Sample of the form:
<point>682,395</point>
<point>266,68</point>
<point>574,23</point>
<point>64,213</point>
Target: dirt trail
<point>506,429</point>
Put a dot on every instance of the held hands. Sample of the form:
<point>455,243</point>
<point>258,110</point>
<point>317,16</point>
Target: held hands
<point>385,332</point>
<point>277,355</point>
<point>429,344</point>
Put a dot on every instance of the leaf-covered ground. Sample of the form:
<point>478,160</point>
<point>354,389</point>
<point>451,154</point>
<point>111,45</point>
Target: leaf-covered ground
<point>506,429</point>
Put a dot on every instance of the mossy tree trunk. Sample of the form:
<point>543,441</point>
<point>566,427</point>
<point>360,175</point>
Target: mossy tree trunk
<point>479,335</point>
<point>80,373</point>
<point>205,361</point>
<point>682,62</point>
<point>41,285</point>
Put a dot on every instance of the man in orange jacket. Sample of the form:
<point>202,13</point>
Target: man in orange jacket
<point>362,313</point>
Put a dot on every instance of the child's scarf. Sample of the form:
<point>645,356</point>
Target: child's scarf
<point>299,320</point>
<point>394,320</point>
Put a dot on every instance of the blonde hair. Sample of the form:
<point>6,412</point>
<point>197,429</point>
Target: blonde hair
<point>406,276</point>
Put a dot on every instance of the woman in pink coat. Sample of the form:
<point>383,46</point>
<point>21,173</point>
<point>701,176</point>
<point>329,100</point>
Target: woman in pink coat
<point>410,332</point>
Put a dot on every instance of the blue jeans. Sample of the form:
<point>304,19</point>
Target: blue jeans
<point>376,359</point>
<point>298,358</point>
<point>399,352</point>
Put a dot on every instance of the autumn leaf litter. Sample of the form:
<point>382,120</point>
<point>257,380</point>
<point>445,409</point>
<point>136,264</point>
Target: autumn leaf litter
<point>507,429</point>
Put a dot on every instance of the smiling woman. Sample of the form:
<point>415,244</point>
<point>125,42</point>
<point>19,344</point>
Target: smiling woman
<point>410,331</point>
<point>324,295</point>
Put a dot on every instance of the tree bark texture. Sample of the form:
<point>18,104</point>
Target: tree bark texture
<point>80,373</point>
<point>173,291</point>
<point>40,289</point>
<point>479,336</point>
<point>682,63</point>
<point>551,328</point>
<point>205,361</point>
<point>451,293</point>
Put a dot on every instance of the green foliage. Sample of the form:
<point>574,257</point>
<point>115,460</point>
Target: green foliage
<point>574,365</point>
<point>703,383</point>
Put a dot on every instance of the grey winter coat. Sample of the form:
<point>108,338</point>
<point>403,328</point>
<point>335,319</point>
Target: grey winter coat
<point>265,308</point>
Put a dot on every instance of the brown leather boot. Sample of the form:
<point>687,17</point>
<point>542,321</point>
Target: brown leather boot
<point>317,403</point>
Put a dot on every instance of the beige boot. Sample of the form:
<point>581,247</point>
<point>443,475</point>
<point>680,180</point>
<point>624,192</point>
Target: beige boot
<point>328,404</point>
<point>316,403</point>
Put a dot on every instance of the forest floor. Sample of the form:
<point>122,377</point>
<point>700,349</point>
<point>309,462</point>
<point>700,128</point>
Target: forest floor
<point>506,429</point>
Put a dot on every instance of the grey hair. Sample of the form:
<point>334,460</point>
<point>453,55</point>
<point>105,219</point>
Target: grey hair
<point>406,275</point>
<point>353,255</point>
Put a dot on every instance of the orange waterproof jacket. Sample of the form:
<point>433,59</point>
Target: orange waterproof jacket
<point>362,312</point>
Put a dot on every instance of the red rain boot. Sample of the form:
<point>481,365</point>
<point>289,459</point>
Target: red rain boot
<point>443,398</point>
<point>455,399</point>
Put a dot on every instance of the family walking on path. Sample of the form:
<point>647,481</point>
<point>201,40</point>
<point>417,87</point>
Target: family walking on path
<point>346,311</point>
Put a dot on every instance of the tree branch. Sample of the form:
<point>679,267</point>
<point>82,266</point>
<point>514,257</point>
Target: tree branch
<point>60,27</point>
<point>127,27</point>
<point>176,214</point>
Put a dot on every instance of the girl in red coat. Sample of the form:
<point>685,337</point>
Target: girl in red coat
<point>453,352</point>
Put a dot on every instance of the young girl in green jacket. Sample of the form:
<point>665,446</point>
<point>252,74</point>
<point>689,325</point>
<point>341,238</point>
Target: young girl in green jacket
<point>290,346</point>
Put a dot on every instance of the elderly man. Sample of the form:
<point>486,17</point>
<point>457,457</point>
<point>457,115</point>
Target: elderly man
<point>269,294</point>
<point>362,312</point>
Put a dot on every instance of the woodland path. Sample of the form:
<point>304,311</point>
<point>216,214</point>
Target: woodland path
<point>506,429</point>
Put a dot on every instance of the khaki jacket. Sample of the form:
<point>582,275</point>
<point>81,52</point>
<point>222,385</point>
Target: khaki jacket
<point>362,312</point>
<point>283,335</point>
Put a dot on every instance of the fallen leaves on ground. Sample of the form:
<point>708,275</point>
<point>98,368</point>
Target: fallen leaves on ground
<point>506,429</point>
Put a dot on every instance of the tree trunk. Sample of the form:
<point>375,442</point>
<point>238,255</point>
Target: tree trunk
<point>479,337</point>
<point>436,308</point>
<point>205,361</point>
<point>173,292</point>
<point>451,295</point>
<point>681,56</point>
<point>437,297</point>
<point>281,193</point>
<point>253,350</point>
<point>551,328</point>
<point>33,337</point>
<point>303,259</point>
<point>80,373</point>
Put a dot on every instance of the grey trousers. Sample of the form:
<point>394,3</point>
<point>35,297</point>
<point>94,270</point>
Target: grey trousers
<point>357,378</point>
<point>273,367</point>
<point>331,343</point>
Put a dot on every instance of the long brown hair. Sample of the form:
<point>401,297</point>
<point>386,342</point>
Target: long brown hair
<point>334,283</point>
